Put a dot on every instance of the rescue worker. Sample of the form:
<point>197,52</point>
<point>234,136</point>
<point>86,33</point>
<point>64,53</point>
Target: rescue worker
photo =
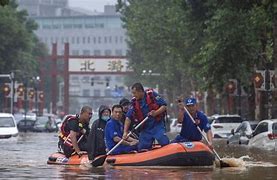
<point>189,131</point>
<point>147,103</point>
<point>125,103</point>
<point>74,132</point>
<point>114,133</point>
<point>96,143</point>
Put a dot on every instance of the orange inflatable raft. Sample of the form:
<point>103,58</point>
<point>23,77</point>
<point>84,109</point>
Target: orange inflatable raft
<point>175,154</point>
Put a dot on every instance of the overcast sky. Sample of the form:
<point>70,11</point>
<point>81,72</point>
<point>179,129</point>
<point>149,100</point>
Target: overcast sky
<point>91,5</point>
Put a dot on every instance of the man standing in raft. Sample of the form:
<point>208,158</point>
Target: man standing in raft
<point>147,103</point>
<point>189,131</point>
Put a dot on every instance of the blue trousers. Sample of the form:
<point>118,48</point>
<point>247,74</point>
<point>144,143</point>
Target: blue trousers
<point>124,149</point>
<point>147,137</point>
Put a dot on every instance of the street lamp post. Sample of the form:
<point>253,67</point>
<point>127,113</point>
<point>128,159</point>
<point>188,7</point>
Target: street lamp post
<point>150,73</point>
<point>36,82</point>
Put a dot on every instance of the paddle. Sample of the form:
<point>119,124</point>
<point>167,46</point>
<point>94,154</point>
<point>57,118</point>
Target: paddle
<point>222,164</point>
<point>99,161</point>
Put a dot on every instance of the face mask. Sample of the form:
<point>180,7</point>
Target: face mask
<point>105,118</point>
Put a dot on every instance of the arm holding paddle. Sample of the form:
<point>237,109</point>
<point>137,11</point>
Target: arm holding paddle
<point>181,111</point>
<point>128,142</point>
<point>74,141</point>
<point>126,127</point>
<point>157,112</point>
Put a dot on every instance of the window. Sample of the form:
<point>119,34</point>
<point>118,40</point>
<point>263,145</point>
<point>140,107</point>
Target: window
<point>118,52</point>
<point>97,92</point>
<point>78,40</point>
<point>75,52</point>
<point>75,79</point>
<point>116,39</point>
<point>229,120</point>
<point>94,40</point>
<point>6,122</point>
<point>84,40</point>
<point>88,40</point>
<point>85,79</point>
<point>86,92</point>
<point>73,40</point>
<point>99,40</point>
<point>108,52</point>
<point>97,53</point>
<point>107,92</point>
<point>86,52</point>
<point>105,39</point>
<point>263,127</point>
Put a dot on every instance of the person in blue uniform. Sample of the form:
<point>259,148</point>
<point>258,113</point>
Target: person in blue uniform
<point>189,131</point>
<point>114,133</point>
<point>147,103</point>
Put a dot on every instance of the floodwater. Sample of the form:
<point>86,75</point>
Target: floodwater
<point>25,157</point>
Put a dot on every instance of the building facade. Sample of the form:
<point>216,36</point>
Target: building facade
<point>91,36</point>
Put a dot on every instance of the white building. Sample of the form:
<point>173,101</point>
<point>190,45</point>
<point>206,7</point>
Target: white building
<point>100,35</point>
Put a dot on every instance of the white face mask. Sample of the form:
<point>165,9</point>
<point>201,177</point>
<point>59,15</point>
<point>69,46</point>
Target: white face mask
<point>105,118</point>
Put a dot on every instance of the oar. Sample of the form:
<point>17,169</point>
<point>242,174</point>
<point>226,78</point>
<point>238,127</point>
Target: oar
<point>99,161</point>
<point>222,164</point>
<point>77,143</point>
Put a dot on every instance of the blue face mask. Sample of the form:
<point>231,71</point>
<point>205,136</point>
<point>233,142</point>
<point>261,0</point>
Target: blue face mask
<point>105,118</point>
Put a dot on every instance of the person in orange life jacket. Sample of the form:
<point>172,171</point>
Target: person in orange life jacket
<point>74,128</point>
<point>96,143</point>
<point>189,131</point>
<point>147,103</point>
<point>125,103</point>
<point>114,133</point>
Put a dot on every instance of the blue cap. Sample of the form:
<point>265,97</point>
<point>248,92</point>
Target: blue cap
<point>190,101</point>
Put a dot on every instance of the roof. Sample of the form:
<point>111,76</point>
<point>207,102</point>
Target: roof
<point>224,115</point>
<point>6,115</point>
<point>269,120</point>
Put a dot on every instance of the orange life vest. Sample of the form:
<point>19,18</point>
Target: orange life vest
<point>64,135</point>
<point>151,103</point>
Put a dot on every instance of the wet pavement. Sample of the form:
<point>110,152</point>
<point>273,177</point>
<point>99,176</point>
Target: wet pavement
<point>25,157</point>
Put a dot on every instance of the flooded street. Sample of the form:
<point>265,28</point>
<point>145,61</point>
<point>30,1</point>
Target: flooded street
<point>25,158</point>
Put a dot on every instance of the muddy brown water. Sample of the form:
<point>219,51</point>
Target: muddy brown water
<point>25,157</point>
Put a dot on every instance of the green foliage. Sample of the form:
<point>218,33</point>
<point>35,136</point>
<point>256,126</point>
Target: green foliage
<point>19,47</point>
<point>197,44</point>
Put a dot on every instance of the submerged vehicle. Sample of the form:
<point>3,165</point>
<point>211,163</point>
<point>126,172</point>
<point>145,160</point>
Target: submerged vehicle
<point>8,127</point>
<point>175,154</point>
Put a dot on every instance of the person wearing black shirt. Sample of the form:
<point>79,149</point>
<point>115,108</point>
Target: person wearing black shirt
<point>96,143</point>
<point>74,132</point>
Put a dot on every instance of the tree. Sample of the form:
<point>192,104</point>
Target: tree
<point>19,48</point>
<point>199,44</point>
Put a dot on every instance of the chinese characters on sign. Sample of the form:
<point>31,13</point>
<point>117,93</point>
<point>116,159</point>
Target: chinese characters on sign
<point>103,65</point>
<point>115,66</point>
<point>87,66</point>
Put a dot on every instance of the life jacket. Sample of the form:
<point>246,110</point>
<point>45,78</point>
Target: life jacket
<point>64,135</point>
<point>151,103</point>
